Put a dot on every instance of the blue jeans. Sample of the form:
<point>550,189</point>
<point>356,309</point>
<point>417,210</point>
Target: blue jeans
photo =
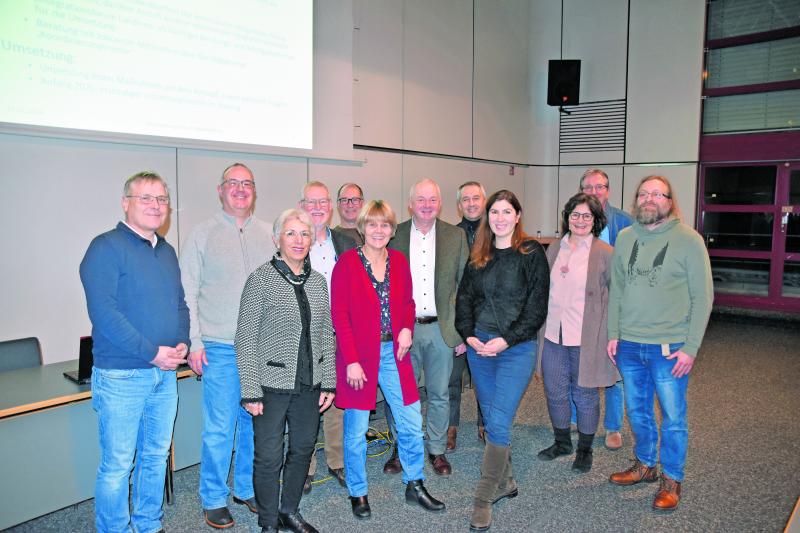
<point>646,371</point>
<point>226,425</point>
<point>136,413</point>
<point>615,410</point>
<point>408,419</point>
<point>500,383</point>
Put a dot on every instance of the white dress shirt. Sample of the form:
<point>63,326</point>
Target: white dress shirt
<point>422,260</point>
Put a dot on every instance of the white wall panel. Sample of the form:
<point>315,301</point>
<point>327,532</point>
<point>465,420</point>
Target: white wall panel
<point>61,194</point>
<point>540,206</point>
<point>545,39</point>
<point>378,73</point>
<point>501,101</point>
<point>494,177</point>
<point>664,80</point>
<point>437,84</point>
<point>684,184</point>
<point>379,176</point>
<point>596,33</point>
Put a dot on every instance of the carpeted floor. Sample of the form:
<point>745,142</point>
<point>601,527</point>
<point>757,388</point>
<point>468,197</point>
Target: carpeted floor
<point>742,473</point>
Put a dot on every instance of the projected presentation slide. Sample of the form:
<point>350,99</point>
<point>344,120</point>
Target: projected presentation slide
<point>237,71</point>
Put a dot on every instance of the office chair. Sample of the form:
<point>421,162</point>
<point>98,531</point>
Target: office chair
<point>20,353</point>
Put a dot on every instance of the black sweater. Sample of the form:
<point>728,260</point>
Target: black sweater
<point>508,296</point>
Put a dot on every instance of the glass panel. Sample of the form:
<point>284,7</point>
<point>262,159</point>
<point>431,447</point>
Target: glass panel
<point>794,187</point>
<point>791,279</point>
<point>779,110</point>
<point>740,185</point>
<point>738,231</point>
<point>740,276</point>
<point>728,18</point>
<point>754,63</point>
<point>793,233</point>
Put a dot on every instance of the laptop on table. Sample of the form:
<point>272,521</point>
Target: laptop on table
<point>83,375</point>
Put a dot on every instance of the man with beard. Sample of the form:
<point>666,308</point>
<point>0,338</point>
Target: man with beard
<point>659,304</point>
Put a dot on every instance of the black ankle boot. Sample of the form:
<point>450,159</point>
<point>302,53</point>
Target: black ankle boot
<point>583,457</point>
<point>562,446</point>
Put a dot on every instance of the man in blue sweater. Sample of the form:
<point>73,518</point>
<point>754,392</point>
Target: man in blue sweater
<point>596,183</point>
<point>140,329</point>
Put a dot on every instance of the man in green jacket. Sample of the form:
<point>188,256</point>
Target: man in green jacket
<point>659,304</point>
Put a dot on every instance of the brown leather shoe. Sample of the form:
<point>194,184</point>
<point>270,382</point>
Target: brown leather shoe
<point>440,464</point>
<point>393,465</point>
<point>668,496</point>
<point>637,473</point>
<point>613,440</point>
<point>452,432</point>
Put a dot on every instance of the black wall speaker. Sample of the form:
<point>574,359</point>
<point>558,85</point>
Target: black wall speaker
<point>563,82</point>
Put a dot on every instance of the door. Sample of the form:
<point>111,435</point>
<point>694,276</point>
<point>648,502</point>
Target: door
<point>750,219</point>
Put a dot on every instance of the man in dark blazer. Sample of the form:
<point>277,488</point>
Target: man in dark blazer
<point>437,252</point>
<point>327,247</point>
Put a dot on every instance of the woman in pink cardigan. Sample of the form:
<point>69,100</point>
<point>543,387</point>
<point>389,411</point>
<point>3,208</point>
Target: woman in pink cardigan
<point>373,315</point>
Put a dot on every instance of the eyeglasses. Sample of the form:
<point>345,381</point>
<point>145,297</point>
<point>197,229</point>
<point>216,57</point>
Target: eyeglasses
<point>354,200</point>
<point>245,184</point>
<point>291,234</point>
<point>655,195</point>
<point>325,202</point>
<point>585,216</point>
<point>596,188</point>
<point>148,199</point>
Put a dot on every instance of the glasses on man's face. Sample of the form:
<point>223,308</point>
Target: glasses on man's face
<point>585,216</point>
<point>148,199</point>
<point>655,195</point>
<point>353,200</point>
<point>235,184</point>
<point>323,203</point>
<point>594,188</point>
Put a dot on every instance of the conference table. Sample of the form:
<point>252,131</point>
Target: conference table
<point>48,439</point>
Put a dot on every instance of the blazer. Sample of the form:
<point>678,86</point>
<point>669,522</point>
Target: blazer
<point>356,313</point>
<point>268,334</point>
<point>341,241</point>
<point>595,369</point>
<point>452,253</point>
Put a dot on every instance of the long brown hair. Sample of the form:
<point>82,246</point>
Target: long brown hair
<point>484,238</point>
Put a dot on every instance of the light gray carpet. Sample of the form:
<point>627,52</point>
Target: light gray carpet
<point>742,474</point>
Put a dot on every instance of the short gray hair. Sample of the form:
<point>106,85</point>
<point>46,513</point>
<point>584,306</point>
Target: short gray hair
<point>420,182</point>
<point>144,175</point>
<point>291,214</point>
<point>469,184</point>
<point>230,167</point>
<point>592,172</point>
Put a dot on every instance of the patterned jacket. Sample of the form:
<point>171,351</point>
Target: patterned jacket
<point>268,334</point>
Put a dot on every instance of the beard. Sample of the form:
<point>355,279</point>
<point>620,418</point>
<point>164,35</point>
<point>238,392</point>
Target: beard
<point>647,217</point>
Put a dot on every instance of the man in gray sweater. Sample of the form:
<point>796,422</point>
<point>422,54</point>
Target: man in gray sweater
<point>216,259</point>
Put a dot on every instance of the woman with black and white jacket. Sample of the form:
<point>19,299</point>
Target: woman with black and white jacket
<point>286,354</point>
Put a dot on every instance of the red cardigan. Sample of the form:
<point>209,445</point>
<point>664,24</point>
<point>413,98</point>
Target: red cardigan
<point>356,313</point>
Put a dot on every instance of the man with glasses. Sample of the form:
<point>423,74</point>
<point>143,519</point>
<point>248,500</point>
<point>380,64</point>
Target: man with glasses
<point>471,202</point>
<point>327,247</point>
<point>660,300</point>
<point>595,182</point>
<point>349,200</point>
<point>217,257</point>
<point>140,329</point>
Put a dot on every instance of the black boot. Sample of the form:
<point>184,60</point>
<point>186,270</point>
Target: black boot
<point>583,457</point>
<point>562,446</point>
<point>417,493</point>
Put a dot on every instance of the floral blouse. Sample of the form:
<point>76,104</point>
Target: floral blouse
<point>382,289</point>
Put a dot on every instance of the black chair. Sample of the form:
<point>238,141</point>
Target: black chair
<point>20,353</point>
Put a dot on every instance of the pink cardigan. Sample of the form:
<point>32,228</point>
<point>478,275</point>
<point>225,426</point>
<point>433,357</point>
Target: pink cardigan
<point>356,313</point>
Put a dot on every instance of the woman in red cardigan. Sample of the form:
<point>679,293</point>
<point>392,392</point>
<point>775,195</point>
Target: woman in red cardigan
<point>373,315</point>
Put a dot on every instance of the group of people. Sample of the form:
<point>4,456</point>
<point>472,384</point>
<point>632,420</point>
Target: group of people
<point>292,322</point>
